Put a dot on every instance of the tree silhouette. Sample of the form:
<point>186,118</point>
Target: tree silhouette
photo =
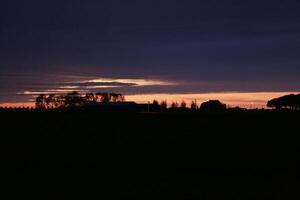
<point>40,101</point>
<point>194,105</point>
<point>50,101</point>
<point>291,101</point>
<point>90,97</point>
<point>213,106</point>
<point>104,97</point>
<point>73,99</point>
<point>121,97</point>
<point>114,97</point>
<point>155,103</point>
<point>164,105</point>
<point>60,101</point>
<point>183,105</point>
<point>174,105</point>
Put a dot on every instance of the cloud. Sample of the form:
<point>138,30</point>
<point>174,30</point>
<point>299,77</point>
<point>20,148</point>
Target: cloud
<point>90,85</point>
<point>126,82</point>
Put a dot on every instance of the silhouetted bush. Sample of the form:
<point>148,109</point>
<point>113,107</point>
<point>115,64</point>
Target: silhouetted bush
<point>212,106</point>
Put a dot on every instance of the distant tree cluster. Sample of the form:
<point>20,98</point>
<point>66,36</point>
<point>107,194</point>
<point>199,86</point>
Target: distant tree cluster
<point>74,99</point>
<point>208,106</point>
<point>291,101</point>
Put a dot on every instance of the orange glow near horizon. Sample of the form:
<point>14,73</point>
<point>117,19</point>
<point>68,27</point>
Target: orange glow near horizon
<point>232,99</point>
<point>18,104</point>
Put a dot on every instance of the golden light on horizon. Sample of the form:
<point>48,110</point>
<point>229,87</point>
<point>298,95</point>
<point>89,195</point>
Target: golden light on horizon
<point>246,100</point>
<point>232,99</point>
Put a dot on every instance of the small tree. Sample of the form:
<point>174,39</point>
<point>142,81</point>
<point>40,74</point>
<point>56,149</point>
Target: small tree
<point>164,105</point>
<point>104,97</point>
<point>183,105</point>
<point>155,103</point>
<point>89,97</point>
<point>73,99</point>
<point>113,97</point>
<point>60,101</point>
<point>50,101</point>
<point>174,105</point>
<point>116,97</point>
<point>40,101</point>
<point>194,105</point>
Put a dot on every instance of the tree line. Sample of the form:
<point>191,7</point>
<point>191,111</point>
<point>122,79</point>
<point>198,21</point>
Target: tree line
<point>75,99</point>
<point>208,106</point>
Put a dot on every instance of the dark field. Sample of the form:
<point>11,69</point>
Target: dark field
<point>244,155</point>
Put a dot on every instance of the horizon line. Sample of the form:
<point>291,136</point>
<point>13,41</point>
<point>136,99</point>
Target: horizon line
<point>232,99</point>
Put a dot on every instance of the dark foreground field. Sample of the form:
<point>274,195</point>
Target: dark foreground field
<point>250,155</point>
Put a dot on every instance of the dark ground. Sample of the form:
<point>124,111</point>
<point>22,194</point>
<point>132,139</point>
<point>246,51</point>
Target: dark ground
<point>247,155</point>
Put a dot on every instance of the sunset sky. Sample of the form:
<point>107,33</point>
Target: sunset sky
<point>241,52</point>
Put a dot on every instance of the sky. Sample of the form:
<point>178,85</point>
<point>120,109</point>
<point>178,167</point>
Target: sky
<point>149,47</point>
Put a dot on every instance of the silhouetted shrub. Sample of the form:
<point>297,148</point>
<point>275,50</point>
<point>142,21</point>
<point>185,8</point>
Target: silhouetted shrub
<point>213,106</point>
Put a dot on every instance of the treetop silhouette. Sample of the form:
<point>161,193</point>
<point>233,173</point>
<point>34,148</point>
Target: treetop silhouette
<point>75,99</point>
<point>291,101</point>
